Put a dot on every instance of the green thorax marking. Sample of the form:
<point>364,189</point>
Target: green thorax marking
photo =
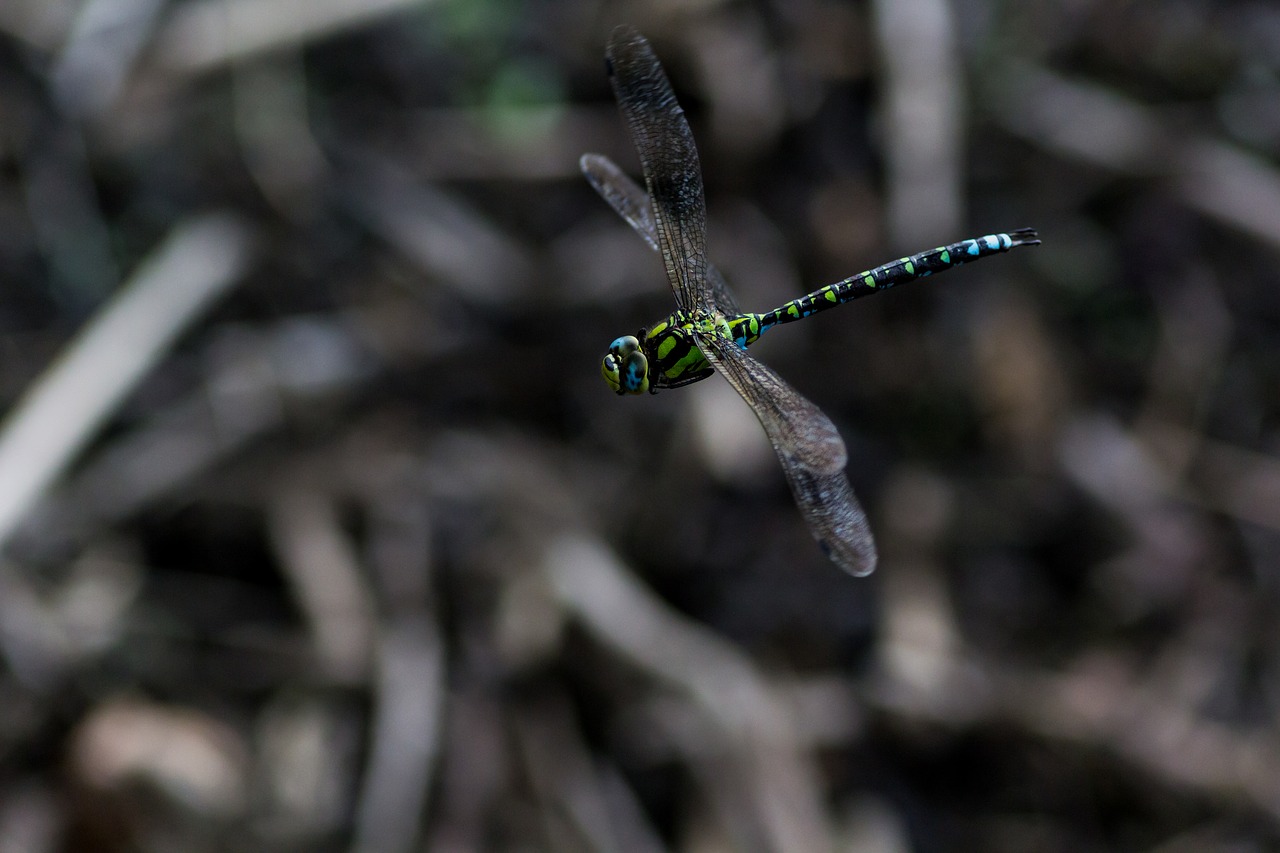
<point>674,357</point>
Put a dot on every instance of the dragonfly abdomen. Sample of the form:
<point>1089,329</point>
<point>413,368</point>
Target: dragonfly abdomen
<point>897,272</point>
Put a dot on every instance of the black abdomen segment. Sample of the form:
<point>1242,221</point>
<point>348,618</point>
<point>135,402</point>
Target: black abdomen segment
<point>897,272</point>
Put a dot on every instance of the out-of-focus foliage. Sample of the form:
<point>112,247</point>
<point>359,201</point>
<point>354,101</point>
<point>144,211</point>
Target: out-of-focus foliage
<point>322,532</point>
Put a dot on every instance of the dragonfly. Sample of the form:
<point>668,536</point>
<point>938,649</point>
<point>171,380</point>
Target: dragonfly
<point>708,332</point>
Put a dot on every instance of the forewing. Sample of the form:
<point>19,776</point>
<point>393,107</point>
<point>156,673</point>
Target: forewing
<point>631,203</point>
<point>669,159</point>
<point>810,449</point>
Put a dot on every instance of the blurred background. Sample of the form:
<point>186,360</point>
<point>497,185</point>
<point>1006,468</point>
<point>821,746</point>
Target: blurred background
<point>321,531</point>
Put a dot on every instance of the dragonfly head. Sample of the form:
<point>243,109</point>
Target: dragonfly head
<point>625,366</point>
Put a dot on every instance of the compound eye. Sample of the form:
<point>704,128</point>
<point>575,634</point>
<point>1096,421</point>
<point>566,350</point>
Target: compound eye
<point>635,373</point>
<point>624,346</point>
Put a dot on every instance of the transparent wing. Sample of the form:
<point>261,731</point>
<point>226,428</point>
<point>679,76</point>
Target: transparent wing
<point>669,159</point>
<point>811,451</point>
<point>623,194</point>
<point>631,203</point>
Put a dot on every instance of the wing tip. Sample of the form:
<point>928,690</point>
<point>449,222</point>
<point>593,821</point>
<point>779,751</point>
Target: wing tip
<point>622,35</point>
<point>624,32</point>
<point>857,559</point>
